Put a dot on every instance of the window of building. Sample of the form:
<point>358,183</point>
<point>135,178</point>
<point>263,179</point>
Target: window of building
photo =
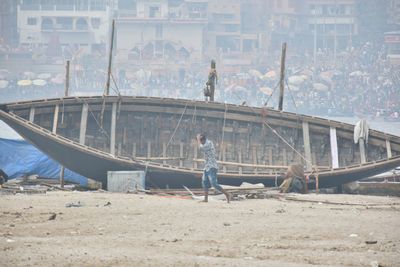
<point>47,24</point>
<point>97,5</point>
<point>95,23</point>
<point>231,27</point>
<point>47,4</point>
<point>64,23</point>
<point>154,12</point>
<point>64,5</point>
<point>127,4</point>
<point>30,5</point>
<point>82,4</point>
<point>81,24</point>
<point>32,21</point>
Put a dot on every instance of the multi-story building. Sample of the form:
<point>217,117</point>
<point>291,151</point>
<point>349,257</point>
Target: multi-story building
<point>393,11</point>
<point>223,32</point>
<point>285,23</point>
<point>76,25</point>
<point>8,23</point>
<point>333,23</point>
<point>160,31</point>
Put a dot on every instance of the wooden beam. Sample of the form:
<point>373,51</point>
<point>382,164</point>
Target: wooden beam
<point>284,156</point>
<point>224,156</point>
<point>307,145</point>
<point>161,158</point>
<point>195,155</point>
<point>181,154</point>
<point>240,160</point>
<point>82,130</point>
<point>388,149</point>
<point>55,119</point>
<point>148,149</point>
<point>236,164</point>
<point>361,144</point>
<point>164,152</point>
<point>134,150</point>
<point>113,127</point>
<point>32,114</point>
<point>254,156</point>
<point>334,148</point>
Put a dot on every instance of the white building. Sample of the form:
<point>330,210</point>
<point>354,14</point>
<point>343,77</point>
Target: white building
<point>158,31</point>
<point>82,25</point>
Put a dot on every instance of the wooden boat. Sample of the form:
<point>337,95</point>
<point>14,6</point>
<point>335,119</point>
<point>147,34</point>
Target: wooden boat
<point>93,135</point>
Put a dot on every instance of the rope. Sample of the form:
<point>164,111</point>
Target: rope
<point>273,91</point>
<point>94,117</point>
<point>286,142</point>
<point>283,139</point>
<point>291,95</point>
<point>177,126</point>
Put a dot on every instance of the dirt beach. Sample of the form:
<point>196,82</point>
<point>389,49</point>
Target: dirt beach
<point>111,229</point>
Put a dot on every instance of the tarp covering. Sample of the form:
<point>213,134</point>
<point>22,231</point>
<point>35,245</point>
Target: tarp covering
<point>19,158</point>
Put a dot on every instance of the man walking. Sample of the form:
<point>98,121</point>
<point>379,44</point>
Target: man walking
<point>210,167</point>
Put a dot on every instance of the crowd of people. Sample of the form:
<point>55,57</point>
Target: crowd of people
<point>359,81</point>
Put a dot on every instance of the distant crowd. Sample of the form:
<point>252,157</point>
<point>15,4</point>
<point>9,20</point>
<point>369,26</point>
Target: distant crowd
<point>359,81</point>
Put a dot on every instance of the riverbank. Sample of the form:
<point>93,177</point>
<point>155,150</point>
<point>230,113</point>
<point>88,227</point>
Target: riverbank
<point>110,229</point>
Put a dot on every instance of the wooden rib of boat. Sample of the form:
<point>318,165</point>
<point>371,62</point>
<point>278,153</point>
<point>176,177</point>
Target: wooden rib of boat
<point>93,135</point>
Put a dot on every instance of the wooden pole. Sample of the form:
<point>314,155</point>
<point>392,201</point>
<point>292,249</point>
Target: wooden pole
<point>66,93</point>
<point>107,91</point>
<point>282,77</point>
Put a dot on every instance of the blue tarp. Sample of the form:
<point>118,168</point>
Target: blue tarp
<point>19,158</point>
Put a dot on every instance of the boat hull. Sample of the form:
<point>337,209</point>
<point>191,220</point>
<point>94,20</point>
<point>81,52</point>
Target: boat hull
<point>94,163</point>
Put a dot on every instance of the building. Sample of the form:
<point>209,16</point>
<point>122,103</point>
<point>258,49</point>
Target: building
<point>160,31</point>
<point>64,26</point>
<point>393,13</point>
<point>8,23</point>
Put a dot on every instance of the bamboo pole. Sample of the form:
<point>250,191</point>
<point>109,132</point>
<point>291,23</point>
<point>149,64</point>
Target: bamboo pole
<point>66,93</point>
<point>107,91</point>
<point>282,77</point>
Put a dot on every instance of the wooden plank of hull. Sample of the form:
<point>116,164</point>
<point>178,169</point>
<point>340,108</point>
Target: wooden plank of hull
<point>164,152</point>
<point>334,148</point>
<point>55,119</point>
<point>113,128</point>
<point>254,156</point>
<point>388,149</point>
<point>307,145</point>
<point>361,144</point>
<point>134,150</point>
<point>83,125</point>
<point>181,154</point>
<point>32,114</point>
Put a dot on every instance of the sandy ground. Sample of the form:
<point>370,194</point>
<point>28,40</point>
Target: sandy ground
<point>143,230</point>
